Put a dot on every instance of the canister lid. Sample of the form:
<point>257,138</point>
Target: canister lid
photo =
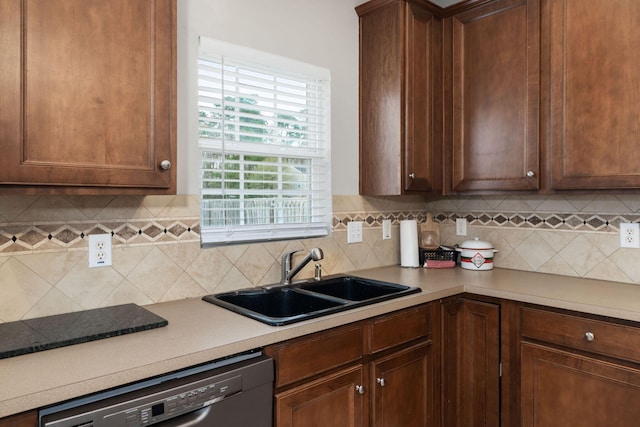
<point>476,243</point>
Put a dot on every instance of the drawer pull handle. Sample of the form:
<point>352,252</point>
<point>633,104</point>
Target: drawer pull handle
<point>360,389</point>
<point>381,382</point>
<point>412,175</point>
<point>589,336</point>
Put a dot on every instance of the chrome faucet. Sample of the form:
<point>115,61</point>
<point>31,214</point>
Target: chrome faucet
<point>288,272</point>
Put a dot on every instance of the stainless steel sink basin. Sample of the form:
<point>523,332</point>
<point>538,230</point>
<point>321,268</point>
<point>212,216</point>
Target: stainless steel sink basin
<point>306,300</point>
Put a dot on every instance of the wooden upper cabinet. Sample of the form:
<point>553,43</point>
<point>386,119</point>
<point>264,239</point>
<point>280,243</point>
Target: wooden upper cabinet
<point>593,82</point>
<point>88,96</point>
<point>400,114</point>
<point>494,52</point>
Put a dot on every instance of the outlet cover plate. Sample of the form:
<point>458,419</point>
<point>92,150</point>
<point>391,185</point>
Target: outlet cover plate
<point>99,250</point>
<point>629,235</point>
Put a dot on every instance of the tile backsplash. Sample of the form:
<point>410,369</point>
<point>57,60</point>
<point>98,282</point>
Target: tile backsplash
<point>156,251</point>
<point>157,255</point>
<point>567,235</point>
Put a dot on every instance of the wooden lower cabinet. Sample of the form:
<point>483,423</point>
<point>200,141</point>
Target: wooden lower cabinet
<point>560,388</point>
<point>471,363</point>
<point>331,401</point>
<point>25,419</point>
<point>392,381</point>
<point>402,388</point>
<point>578,369</point>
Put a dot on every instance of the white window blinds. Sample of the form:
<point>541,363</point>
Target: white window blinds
<point>264,136</point>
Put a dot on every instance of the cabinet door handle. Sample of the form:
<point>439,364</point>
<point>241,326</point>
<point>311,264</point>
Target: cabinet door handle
<point>589,336</point>
<point>360,389</point>
<point>381,382</point>
<point>531,174</point>
<point>165,164</point>
<point>412,175</point>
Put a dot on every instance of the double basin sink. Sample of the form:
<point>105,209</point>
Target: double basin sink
<point>283,305</point>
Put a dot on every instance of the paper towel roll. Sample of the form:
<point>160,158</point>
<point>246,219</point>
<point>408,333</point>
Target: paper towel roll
<point>409,243</point>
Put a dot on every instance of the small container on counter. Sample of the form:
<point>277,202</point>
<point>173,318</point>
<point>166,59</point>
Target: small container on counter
<point>476,254</point>
<point>443,257</point>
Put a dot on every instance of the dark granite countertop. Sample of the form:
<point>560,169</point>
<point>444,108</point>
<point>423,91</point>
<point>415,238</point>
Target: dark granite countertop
<point>45,333</point>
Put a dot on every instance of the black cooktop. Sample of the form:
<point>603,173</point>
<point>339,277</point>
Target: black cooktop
<point>45,333</point>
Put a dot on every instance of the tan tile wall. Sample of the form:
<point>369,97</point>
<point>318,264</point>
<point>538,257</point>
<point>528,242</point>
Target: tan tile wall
<point>157,256</point>
<point>156,251</point>
<point>567,235</point>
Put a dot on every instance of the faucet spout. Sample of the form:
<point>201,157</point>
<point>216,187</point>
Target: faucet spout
<point>289,272</point>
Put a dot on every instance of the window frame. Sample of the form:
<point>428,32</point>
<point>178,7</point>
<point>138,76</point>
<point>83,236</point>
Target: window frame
<point>319,222</point>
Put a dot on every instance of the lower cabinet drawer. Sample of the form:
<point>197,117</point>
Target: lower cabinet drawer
<point>600,337</point>
<point>311,355</point>
<point>398,328</point>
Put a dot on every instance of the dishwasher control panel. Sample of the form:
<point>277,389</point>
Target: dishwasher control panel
<point>175,404</point>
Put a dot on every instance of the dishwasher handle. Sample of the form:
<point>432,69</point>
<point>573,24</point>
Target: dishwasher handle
<point>188,420</point>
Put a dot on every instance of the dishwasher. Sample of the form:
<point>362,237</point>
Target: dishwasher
<point>233,392</point>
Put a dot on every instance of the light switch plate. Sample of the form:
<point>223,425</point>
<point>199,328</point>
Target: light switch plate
<point>386,229</point>
<point>354,232</point>
<point>461,226</point>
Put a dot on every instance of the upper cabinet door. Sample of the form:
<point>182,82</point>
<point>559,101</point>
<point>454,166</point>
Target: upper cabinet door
<point>423,114</point>
<point>495,96</point>
<point>88,95</point>
<point>400,105</point>
<point>594,85</point>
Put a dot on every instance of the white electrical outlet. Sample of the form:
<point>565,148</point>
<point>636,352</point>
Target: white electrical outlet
<point>629,235</point>
<point>386,229</point>
<point>461,226</point>
<point>354,232</point>
<point>99,250</point>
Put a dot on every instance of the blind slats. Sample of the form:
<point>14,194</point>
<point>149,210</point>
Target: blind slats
<point>265,149</point>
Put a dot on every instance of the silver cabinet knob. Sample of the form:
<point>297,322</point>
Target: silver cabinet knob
<point>360,389</point>
<point>589,336</point>
<point>531,174</point>
<point>412,175</point>
<point>165,164</point>
<point>381,382</point>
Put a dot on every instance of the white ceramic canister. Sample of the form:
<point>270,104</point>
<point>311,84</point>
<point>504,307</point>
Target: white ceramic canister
<point>476,254</point>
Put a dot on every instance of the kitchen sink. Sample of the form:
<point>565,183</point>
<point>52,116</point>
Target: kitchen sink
<point>354,288</point>
<point>278,303</point>
<point>281,305</point>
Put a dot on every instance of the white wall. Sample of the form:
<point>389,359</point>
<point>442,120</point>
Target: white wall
<point>320,32</point>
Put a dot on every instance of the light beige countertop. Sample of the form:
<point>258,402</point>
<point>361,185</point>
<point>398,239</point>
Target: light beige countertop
<point>199,332</point>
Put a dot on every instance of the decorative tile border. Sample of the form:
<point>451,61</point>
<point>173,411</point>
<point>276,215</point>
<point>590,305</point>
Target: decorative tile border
<point>539,220</point>
<point>374,219</point>
<point>61,236</point>
<point>57,236</point>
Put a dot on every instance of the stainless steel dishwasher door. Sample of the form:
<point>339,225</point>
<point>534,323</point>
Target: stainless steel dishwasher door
<point>223,394</point>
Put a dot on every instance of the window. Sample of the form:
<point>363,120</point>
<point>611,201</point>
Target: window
<point>264,137</point>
